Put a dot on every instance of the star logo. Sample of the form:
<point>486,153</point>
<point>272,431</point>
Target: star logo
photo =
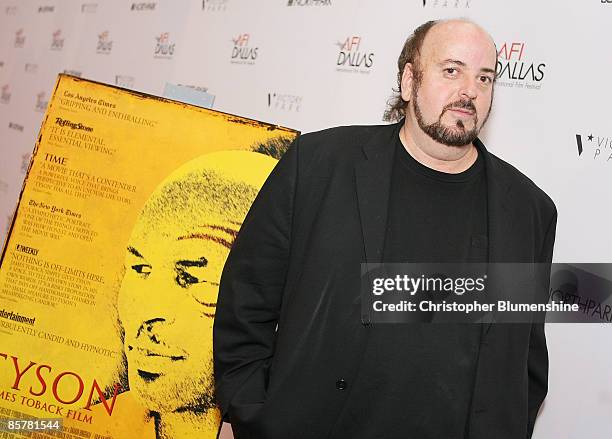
<point>590,136</point>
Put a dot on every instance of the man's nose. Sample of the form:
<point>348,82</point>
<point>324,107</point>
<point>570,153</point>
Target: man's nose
<point>148,305</point>
<point>468,89</point>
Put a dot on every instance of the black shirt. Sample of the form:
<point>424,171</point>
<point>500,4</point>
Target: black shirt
<point>415,375</point>
<point>434,216</point>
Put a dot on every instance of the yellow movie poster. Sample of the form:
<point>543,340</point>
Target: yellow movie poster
<point>109,276</point>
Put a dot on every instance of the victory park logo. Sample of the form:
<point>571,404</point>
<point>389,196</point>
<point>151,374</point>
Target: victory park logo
<point>243,52</point>
<point>41,102</point>
<point>352,57</point>
<point>57,42</point>
<point>214,5</point>
<point>453,4</point>
<point>105,45</point>
<point>10,10</point>
<point>284,102</point>
<point>308,2</point>
<point>594,147</point>
<point>5,94</point>
<point>124,81</point>
<point>516,69</point>
<point>143,6</point>
<point>43,9</point>
<point>89,8</point>
<point>164,48</point>
<point>19,38</point>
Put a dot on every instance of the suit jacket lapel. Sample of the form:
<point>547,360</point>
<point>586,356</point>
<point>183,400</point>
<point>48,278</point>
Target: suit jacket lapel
<point>499,214</point>
<point>500,223</point>
<point>373,181</point>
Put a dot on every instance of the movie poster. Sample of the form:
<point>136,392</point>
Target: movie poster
<point>110,273</point>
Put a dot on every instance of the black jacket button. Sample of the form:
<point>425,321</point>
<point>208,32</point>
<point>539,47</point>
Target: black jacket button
<point>341,384</point>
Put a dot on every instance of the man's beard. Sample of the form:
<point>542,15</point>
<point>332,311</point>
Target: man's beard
<point>447,135</point>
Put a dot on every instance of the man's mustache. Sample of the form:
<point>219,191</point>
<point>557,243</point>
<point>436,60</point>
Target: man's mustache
<point>467,105</point>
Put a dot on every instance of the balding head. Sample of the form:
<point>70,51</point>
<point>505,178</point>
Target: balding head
<point>462,37</point>
<point>428,40</point>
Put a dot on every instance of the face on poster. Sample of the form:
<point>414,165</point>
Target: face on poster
<point>110,274</point>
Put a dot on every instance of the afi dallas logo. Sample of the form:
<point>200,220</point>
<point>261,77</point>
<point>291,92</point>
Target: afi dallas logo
<point>214,5</point>
<point>454,4</point>
<point>284,102</point>
<point>243,52</point>
<point>594,147</point>
<point>5,94</point>
<point>57,42</point>
<point>352,57</point>
<point>19,38</point>
<point>143,6</point>
<point>41,102</point>
<point>308,2</point>
<point>164,48</point>
<point>515,69</point>
<point>89,8</point>
<point>43,9</point>
<point>105,45</point>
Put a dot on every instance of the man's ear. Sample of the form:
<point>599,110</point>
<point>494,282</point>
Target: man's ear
<point>406,83</point>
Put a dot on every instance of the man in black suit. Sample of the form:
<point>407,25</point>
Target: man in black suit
<point>294,355</point>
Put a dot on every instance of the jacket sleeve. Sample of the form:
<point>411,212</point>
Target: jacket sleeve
<point>250,291</point>
<point>537,362</point>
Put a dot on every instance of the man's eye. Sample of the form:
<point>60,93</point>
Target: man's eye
<point>143,269</point>
<point>184,279</point>
<point>451,70</point>
<point>486,79</point>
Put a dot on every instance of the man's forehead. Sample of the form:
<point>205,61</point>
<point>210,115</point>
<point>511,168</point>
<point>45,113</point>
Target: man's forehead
<point>208,228</point>
<point>459,40</point>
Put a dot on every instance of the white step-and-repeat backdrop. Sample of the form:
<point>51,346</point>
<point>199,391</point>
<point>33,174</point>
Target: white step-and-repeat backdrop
<point>312,64</point>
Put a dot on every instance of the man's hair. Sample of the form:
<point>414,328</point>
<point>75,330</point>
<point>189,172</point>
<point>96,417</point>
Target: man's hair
<point>275,147</point>
<point>212,186</point>
<point>411,53</point>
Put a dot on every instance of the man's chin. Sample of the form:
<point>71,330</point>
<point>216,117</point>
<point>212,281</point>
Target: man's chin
<point>154,391</point>
<point>156,401</point>
<point>453,139</point>
<point>161,394</point>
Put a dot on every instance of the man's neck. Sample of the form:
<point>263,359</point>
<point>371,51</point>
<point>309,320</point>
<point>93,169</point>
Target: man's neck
<point>435,155</point>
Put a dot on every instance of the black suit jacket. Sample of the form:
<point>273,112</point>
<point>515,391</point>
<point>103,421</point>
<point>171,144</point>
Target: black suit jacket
<point>289,334</point>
